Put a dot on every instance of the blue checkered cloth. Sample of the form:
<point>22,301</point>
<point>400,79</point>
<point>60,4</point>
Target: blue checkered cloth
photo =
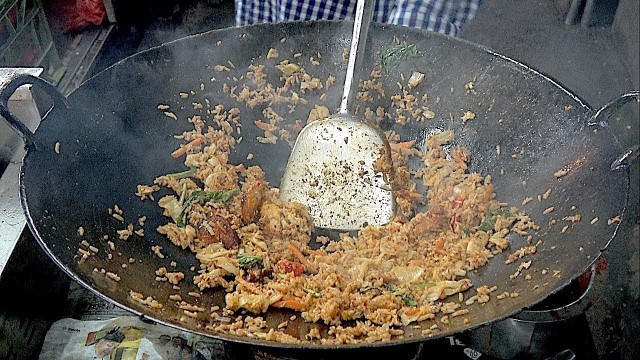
<point>443,16</point>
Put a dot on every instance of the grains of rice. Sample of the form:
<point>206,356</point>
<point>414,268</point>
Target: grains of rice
<point>468,115</point>
<point>573,218</point>
<point>349,287</point>
<point>84,252</point>
<point>186,306</point>
<point>170,115</point>
<point>124,234</point>
<point>113,276</point>
<point>157,250</point>
<point>524,251</point>
<point>613,220</point>
<point>560,173</point>
<point>148,301</point>
<point>190,314</point>
<point>460,312</point>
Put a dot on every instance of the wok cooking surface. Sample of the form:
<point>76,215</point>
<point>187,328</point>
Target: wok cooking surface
<point>116,146</point>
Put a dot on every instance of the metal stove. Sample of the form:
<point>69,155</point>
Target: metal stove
<point>555,329</point>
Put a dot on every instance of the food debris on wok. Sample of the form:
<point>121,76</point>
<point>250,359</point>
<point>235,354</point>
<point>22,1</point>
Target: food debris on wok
<point>366,286</point>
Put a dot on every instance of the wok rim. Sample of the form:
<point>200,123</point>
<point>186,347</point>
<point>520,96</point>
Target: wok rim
<point>306,345</point>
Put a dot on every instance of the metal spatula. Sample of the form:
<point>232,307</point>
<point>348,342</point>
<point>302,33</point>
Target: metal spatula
<point>331,167</point>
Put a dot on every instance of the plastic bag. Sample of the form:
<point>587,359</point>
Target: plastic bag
<point>86,13</point>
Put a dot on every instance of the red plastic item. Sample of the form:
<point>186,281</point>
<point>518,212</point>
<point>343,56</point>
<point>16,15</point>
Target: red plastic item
<point>86,13</point>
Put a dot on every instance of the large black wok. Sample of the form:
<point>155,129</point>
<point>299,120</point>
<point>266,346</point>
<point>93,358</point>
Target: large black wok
<point>112,137</point>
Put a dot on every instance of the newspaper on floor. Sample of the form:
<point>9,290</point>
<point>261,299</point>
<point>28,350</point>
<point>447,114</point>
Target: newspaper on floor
<point>125,338</point>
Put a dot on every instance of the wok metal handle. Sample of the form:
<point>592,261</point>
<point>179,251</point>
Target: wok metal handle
<point>602,116</point>
<point>8,85</point>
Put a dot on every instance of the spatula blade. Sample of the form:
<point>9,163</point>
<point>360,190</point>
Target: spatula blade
<point>331,171</point>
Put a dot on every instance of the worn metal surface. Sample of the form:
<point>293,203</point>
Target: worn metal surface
<point>114,138</point>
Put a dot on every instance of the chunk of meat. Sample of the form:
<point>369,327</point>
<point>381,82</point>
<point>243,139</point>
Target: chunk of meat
<point>252,200</point>
<point>289,220</point>
<point>289,266</point>
<point>256,274</point>
<point>432,220</point>
<point>217,229</point>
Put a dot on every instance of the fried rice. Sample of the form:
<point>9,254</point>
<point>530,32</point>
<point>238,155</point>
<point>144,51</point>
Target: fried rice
<point>257,247</point>
<point>264,253</point>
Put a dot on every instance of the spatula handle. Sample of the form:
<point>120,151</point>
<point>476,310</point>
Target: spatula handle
<point>363,14</point>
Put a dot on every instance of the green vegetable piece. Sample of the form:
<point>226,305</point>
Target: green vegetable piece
<point>183,193</point>
<point>424,285</point>
<point>409,300</point>
<point>314,293</point>
<point>205,196</point>
<point>246,261</point>
<point>182,174</point>
<point>489,221</point>
<point>392,57</point>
